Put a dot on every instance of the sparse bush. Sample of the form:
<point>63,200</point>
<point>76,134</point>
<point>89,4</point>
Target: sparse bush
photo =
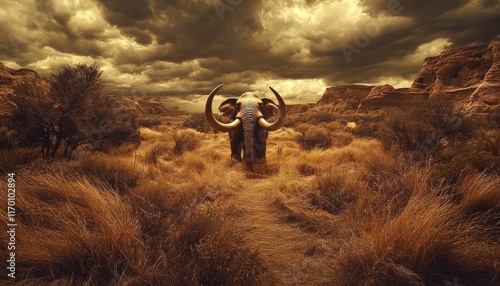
<point>221,257</point>
<point>13,159</point>
<point>311,137</point>
<point>316,118</point>
<point>71,112</point>
<point>461,159</point>
<point>197,122</point>
<point>149,122</point>
<point>185,140</point>
<point>488,141</point>
<point>421,126</point>
<point>342,138</point>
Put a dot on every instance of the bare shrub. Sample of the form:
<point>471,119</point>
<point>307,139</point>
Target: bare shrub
<point>149,122</point>
<point>221,257</point>
<point>311,137</point>
<point>185,140</point>
<point>13,159</point>
<point>421,126</point>
<point>71,113</point>
<point>198,122</point>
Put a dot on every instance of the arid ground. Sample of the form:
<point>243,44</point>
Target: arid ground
<point>173,209</point>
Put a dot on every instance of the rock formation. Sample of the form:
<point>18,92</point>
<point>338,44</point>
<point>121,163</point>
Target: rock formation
<point>386,95</point>
<point>470,76</point>
<point>343,97</point>
<point>11,79</point>
<point>148,106</point>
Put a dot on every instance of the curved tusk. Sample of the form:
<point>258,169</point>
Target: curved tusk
<point>281,120</point>
<point>222,127</point>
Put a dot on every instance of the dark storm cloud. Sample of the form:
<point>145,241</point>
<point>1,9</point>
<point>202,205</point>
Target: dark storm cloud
<point>460,22</point>
<point>185,48</point>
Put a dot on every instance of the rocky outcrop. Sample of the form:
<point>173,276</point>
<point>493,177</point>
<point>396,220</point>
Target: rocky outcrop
<point>386,96</point>
<point>293,109</point>
<point>343,97</point>
<point>470,76</point>
<point>148,106</point>
<point>14,80</point>
<point>11,81</point>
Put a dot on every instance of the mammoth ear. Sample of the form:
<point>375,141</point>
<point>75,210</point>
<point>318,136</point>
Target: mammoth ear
<point>228,108</point>
<point>270,108</point>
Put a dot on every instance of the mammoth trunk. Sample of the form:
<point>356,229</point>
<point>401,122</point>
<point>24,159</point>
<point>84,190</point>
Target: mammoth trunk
<point>249,123</point>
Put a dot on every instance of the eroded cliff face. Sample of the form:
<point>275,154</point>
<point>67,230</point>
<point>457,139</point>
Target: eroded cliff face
<point>343,97</point>
<point>147,106</point>
<point>12,80</point>
<point>470,76</point>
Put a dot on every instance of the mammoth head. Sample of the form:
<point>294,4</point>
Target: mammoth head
<point>249,126</point>
<point>249,108</point>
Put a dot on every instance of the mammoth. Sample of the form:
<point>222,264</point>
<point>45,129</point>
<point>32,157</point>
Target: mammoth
<point>249,126</point>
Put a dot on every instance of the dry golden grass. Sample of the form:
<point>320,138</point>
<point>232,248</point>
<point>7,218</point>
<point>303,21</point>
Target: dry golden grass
<point>177,211</point>
<point>72,232</point>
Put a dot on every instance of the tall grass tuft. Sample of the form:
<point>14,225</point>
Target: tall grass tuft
<point>185,140</point>
<point>221,256</point>
<point>154,151</point>
<point>423,245</point>
<point>121,174</point>
<point>337,189</point>
<point>71,232</point>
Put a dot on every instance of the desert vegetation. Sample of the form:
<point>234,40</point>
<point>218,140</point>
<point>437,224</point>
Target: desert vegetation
<point>392,198</point>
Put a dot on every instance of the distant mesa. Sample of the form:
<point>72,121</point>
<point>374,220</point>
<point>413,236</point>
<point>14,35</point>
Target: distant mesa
<point>470,76</point>
<point>148,106</point>
<point>343,97</point>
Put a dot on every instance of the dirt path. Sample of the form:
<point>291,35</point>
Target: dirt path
<point>293,253</point>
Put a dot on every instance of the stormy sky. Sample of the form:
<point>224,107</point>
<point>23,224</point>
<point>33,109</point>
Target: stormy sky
<point>181,50</point>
